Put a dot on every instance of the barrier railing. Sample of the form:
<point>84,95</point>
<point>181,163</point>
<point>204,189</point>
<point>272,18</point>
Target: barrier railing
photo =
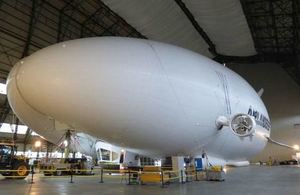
<point>163,177</point>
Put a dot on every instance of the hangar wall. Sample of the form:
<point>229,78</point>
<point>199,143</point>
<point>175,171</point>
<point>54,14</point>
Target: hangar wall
<point>282,99</point>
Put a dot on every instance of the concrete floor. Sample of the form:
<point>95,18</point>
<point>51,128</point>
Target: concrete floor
<point>244,180</point>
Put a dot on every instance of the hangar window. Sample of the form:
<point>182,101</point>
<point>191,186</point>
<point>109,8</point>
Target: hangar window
<point>7,128</point>
<point>105,154</point>
<point>2,88</point>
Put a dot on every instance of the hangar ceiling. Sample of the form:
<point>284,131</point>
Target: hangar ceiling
<point>265,30</point>
<point>218,29</point>
<point>275,28</point>
<point>227,30</point>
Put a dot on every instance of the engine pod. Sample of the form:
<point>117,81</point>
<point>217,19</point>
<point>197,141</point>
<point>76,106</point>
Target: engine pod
<point>242,125</point>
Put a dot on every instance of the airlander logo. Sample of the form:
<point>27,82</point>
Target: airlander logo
<point>260,119</point>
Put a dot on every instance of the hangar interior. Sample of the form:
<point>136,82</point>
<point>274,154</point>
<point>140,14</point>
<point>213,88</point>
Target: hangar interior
<point>259,39</point>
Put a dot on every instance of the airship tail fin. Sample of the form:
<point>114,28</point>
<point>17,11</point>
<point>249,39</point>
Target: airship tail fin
<point>260,92</point>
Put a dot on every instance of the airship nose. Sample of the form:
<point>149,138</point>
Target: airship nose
<point>45,79</point>
<point>24,81</point>
<point>34,80</point>
<point>12,88</point>
<point>18,81</point>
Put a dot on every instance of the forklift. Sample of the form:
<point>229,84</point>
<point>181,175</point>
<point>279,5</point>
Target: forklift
<point>11,165</point>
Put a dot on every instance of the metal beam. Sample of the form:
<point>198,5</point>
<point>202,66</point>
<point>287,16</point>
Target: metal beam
<point>49,148</point>
<point>4,71</point>
<point>65,15</point>
<point>27,138</point>
<point>15,135</point>
<point>83,27</point>
<point>59,26</point>
<point>60,35</point>
<point>238,59</point>
<point>58,10</point>
<point>30,29</point>
<point>274,27</point>
<point>5,111</point>
<point>119,18</point>
<point>92,15</point>
<point>86,15</point>
<point>18,37</point>
<point>212,47</point>
<point>296,29</point>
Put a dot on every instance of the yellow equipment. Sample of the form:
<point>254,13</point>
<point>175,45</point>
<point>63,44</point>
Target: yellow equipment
<point>153,174</point>
<point>216,168</point>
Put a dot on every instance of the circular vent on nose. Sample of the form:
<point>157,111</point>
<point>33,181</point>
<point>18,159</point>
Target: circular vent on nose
<point>242,125</point>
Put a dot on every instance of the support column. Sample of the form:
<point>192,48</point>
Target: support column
<point>68,142</point>
<point>178,164</point>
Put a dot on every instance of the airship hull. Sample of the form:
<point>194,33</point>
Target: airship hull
<point>152,98</point>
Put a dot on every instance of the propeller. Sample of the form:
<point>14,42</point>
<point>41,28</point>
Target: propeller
<point>242,125</point>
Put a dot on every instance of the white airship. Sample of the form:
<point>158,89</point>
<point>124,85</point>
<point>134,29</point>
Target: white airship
<point>151,98</point>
